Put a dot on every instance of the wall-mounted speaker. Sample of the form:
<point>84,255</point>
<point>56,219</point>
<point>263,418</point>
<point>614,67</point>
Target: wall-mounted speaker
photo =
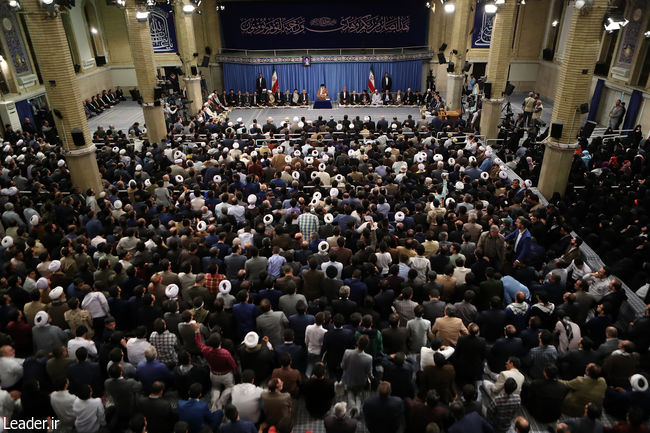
<point>487,90</point>
<point>548,54</point>
<point>584,108</point>
<point>208,50</point>
<point>509,88</point>
<point>194,70</point>
<point>588,129</point>
<point>443,47</point>
<point>450,67</point>
<point>100,60</point>
<point>206,62</point>
<point>601,69</point>
<point>78,137</point>
<point>467,67</point>
<point>441,58</point>
<point>556,130</point>
<point>157,103</point>
<point>77,68</point>
<point>157,93</point>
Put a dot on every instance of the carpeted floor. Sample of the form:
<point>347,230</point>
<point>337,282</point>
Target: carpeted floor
<point>122,116</point>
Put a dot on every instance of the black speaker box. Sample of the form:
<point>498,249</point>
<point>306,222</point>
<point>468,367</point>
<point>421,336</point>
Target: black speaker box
<point>588,129</point>
<point>100,60</point>
<point>548,54</point>
<point>601,68</point>
<point>441,58</point>
<point>77,68</point>
<point>467,67</point>
<point>208,50</point>
<point>509,88</point>
<point>443,47</point>
<point>487,90</point>
<point>584,108</point>
<point>78,137</point>
<point>194,70</point>
<point>157,103</point>
<point>157,92</point>
<point>556,130</point>
<point>450,67</point>
<point>206,62</point>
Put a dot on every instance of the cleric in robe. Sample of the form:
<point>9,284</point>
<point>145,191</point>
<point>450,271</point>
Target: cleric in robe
<point>323,93</point>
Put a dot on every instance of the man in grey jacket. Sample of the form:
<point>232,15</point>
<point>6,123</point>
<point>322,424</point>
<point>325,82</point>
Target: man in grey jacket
<point>271,323</point>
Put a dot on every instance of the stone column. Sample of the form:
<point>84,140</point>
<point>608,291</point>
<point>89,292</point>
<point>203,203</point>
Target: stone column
<point>212,31</point>
<point>498,66</point>
<point>187,47</point>
<point>63,94</point>
<point>573,84</point>
<point>459,37</point>
<point>145,71</point>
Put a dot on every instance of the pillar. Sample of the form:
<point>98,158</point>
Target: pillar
<point>212,36</point>
<point>187,47</point>
<point>574,82</point>
<point>145,71</point>
<point>498,66</point>
<point>459,35</point>
<point>53,55</point>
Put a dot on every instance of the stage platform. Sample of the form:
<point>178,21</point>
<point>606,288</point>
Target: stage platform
<point>280,113</point>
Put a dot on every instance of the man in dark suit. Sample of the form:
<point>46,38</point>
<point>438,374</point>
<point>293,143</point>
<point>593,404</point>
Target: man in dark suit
<point>85,372</point>
<point>504,348</point>
<point>386,83</point>
<point>355,98</point>
<point>239,99</point>
<point>382,124</point>
<point>196,412</point>
<point>123,393</point>
<point>382,412</point>
<point>573,363</point>
<point>343,305</point>
<point>335,342</point>
<point>344,97</point>
<point>338,422</point>
<point>304,98</point>
<point>543,397</point>
<point>409,97</point>
<point>260,83</point>
<point>521,240</point>
<point>469,356</point>
<point>157,410</point>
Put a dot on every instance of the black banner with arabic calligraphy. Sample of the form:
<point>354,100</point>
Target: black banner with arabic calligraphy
<point>285,25</point>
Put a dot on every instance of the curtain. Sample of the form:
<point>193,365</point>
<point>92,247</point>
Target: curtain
<point>334,75</point>
<point>595,100</point>
<point>24,109</point>
<point>632,110</point>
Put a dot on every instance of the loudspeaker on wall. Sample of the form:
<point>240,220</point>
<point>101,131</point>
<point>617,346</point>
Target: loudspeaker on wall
<point>78,137</point>
<point>556,130</point>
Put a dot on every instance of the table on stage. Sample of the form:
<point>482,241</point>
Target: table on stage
<point>325,103</point>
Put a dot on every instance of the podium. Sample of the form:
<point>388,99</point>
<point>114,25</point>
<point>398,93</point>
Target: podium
<point>319,105</point>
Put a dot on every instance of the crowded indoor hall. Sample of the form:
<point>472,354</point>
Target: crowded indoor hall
<point>241,216</point>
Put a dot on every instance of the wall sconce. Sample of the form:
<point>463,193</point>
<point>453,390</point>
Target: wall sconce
<point>142,16</point>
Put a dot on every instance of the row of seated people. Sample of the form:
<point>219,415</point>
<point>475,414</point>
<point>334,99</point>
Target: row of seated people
<point>101,102</point>
<point>278,99</point>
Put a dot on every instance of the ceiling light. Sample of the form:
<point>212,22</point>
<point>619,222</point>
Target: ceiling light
<point>188,9</point>
<point>490,8</point>
<point>142,16</point>
<point>555,23</point>
<point>450,7</point>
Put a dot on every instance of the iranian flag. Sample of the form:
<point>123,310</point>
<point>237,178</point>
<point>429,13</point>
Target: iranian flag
<point>371,80</point>
<point>274,81</point>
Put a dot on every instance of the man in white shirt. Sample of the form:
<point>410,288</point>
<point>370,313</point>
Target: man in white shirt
<point>62,402</point>
<point>332,262</point>
<point>95,303</point>
<point>314,335</point>
<point>82,340</point>
<point>245,397</point>
<point>11,368</point>
<point>88,412</point>
<point>578,269</point>
<point>135,347</point>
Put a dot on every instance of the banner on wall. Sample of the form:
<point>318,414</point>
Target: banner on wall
<point>336,24</point>
<point>631,34</point>
<point>482,27</point>
<point>161,26</point>
<point>16,49</point>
